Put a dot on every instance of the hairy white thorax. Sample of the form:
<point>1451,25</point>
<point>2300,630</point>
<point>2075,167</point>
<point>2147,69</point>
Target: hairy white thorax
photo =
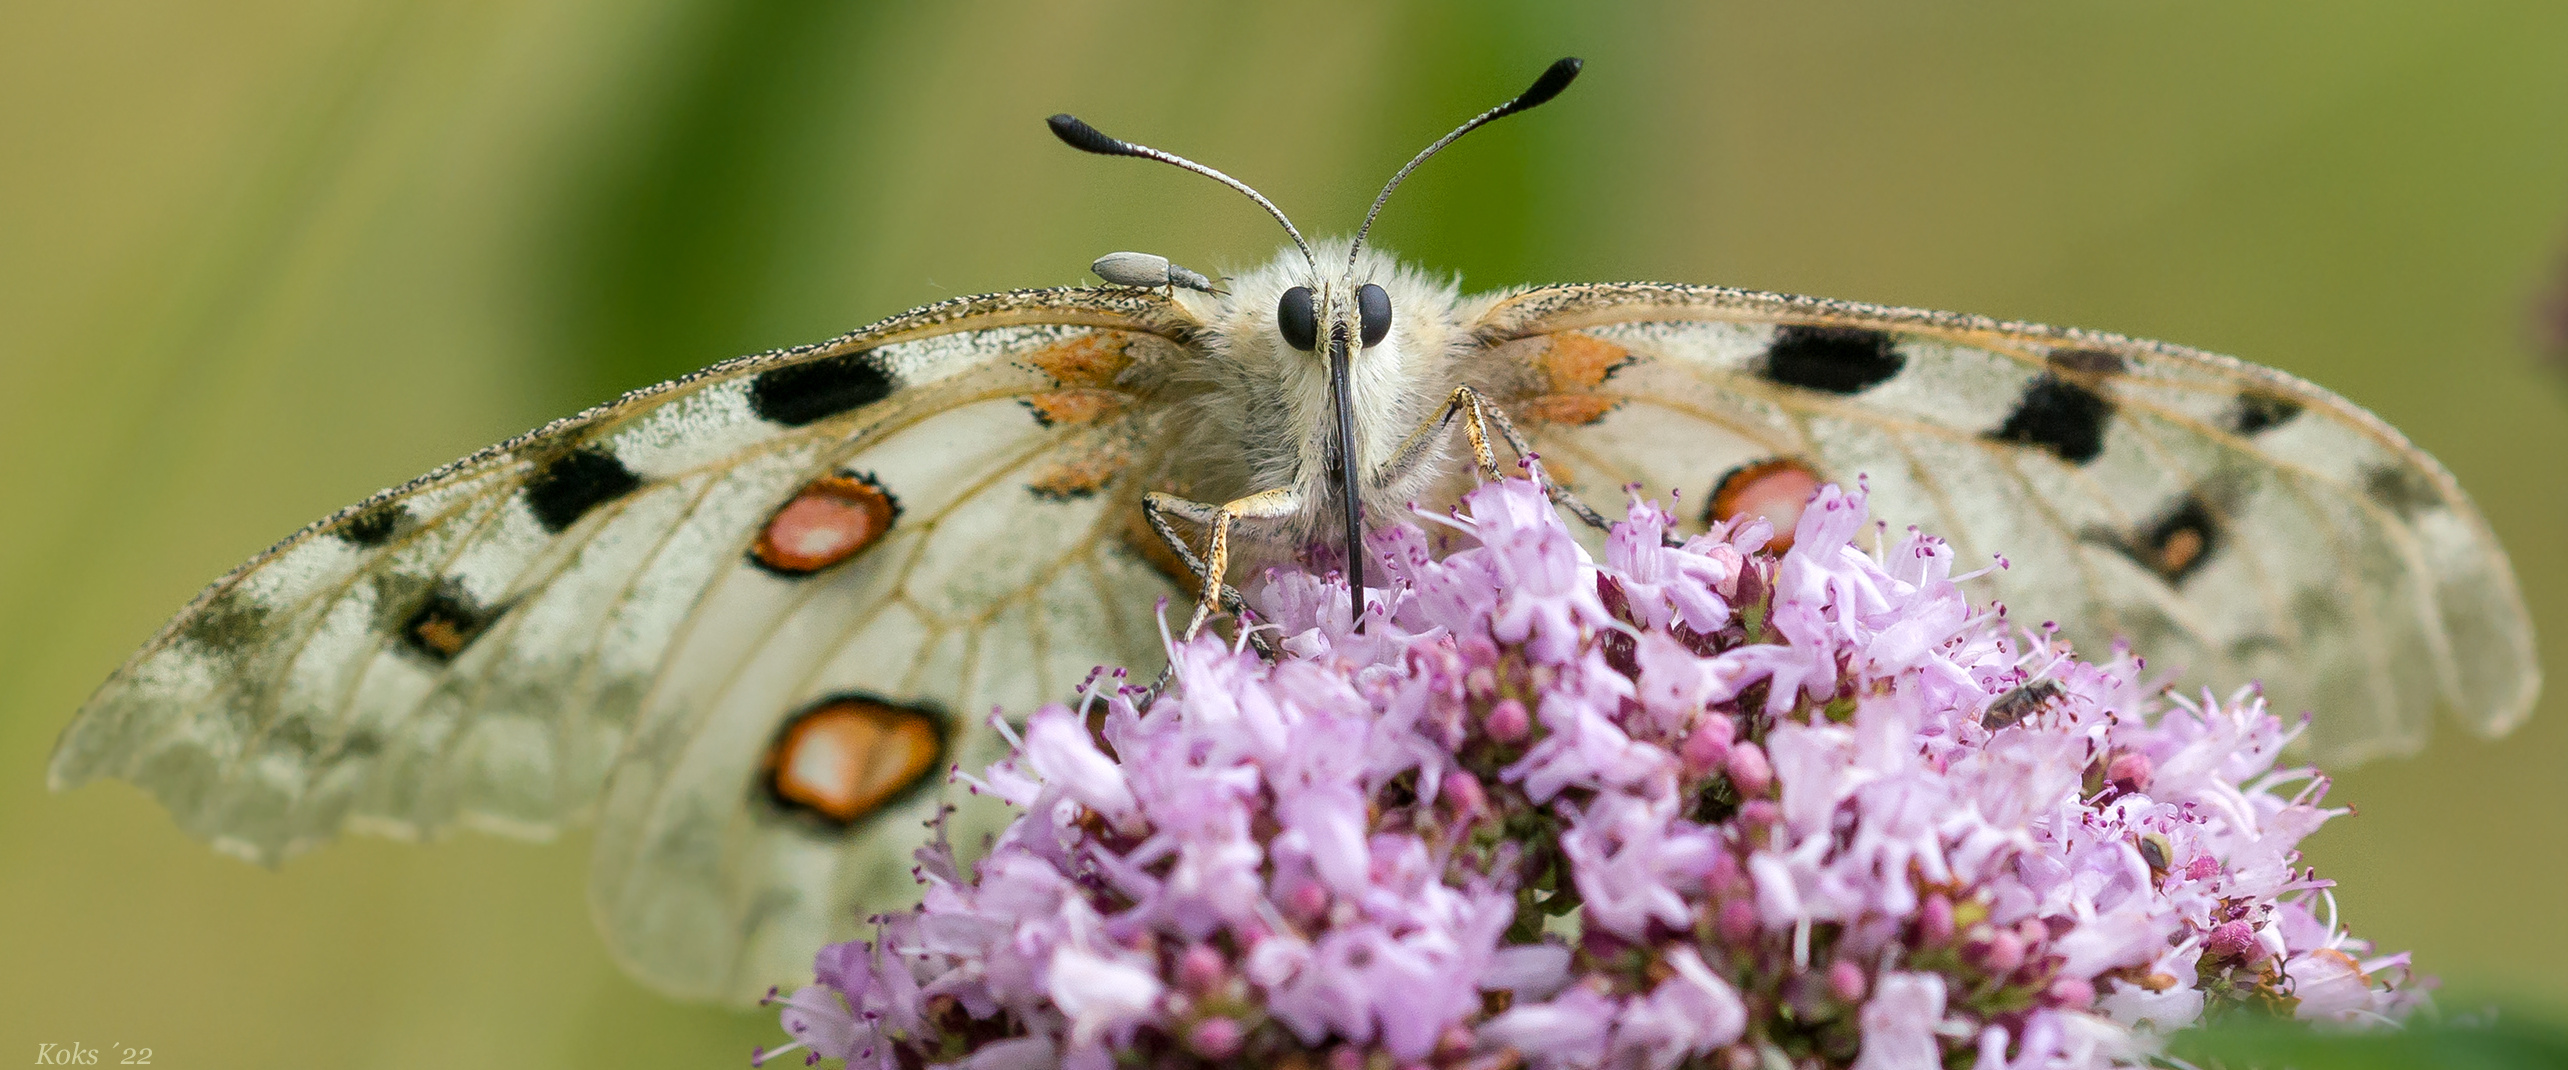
<point>1258,415</point>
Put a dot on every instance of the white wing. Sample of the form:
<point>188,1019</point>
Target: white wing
<point>584,614</point>
<point>2229,520</point>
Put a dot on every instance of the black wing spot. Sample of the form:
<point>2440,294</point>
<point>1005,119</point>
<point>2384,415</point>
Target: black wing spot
<point>373,527</point>
<point>2087,363</point>
<point>2320,611</point>
<point>357,745</point>
<point>2178,541</point>
<point>294,733</point>
<point>1839,360</point>
<point>227,622</point>
<point>2060,416</point>
<point>2256,645</point>
<point>446,623</point>
<point>574,483</point>
<point>1064,493</point>
<point>2258,413</point>
<point>2403,489</point>
<point>797,394</point>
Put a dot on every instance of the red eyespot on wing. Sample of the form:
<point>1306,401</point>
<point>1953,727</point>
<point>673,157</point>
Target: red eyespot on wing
<point>846,757</point>
<point>831,520</point>
<point>1776,490</point>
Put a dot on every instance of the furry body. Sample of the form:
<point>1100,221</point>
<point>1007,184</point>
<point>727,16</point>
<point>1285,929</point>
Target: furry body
<point>1253,414</point>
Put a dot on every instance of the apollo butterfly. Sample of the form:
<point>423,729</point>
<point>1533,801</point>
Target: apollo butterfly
<point>742,620</point>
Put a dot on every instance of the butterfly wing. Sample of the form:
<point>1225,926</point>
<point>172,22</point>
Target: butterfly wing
<point>745,618</point>
<point>2231,521</point>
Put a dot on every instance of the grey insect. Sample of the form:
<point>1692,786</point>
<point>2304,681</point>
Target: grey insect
<point>1148,270</point>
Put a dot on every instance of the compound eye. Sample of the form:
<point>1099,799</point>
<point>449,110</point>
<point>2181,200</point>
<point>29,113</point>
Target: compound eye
<point>1298,316</point>
<point>1373,306</point>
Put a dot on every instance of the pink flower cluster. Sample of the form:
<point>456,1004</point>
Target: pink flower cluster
<point>1694,805</point>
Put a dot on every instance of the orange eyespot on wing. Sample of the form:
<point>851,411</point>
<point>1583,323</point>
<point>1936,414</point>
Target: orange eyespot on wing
<point>1573,366</point>
<point>829,521</point>
<point>1575,409</point>
<point>445,624</point>
<point>846,757</point>
<point>1074,406</point>
<point>1093,360</point>
<point>1575,362</point>
<point>1776,490</point>
<point>2177,542</point>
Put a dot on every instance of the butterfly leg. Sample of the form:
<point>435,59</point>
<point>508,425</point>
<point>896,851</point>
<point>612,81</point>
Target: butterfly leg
<point>1156,513</point>
<point>1217,521</point>
<point>1480,414</point>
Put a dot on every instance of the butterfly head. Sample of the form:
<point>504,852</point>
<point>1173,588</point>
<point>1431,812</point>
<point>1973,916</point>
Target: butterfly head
<point>1380,311</point>
<point>1334,322</point>
<point>1298,317</point>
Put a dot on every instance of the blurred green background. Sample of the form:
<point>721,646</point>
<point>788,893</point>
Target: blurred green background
<point>259,258</point>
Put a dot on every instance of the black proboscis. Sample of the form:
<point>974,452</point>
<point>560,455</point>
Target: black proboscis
<point>1349,483</point>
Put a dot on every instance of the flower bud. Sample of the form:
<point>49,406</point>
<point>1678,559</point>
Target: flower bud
<point>1846,981</point>
<point>1508,722</point>
<point>2002,953</point>
<point>1463,790</point>
<point>1749,770</point>
<point>1201,969</point>
<point>1703,752</point>
<point>1216,1038</point>
<point>1720,873</point>
<point>2230,940</point>
<point>1455,1042</point>
<point>1935,920</point>
<point>1307,903</point>
<point>2076,993</point>
<point>1738,922</point>
<point>2130,771</point>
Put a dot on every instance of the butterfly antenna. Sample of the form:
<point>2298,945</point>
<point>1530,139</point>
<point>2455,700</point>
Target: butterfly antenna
<point>1086,138</point>
<point>1554,79</point>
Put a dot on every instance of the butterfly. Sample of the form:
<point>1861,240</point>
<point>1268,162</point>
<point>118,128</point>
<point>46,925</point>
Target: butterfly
<point>745,620</point>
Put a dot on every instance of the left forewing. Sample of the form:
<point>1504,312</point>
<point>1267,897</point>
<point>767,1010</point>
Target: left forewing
<point>474,646</point>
